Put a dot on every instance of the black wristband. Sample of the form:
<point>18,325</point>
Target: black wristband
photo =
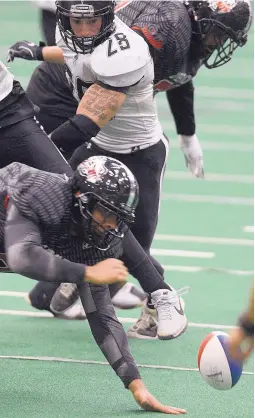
<point>39,51</point>
<point>74,132</point>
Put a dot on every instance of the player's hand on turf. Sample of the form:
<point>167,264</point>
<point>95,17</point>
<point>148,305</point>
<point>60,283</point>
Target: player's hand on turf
<point>26,50</point>
<point>106,272</point>
<point>148,402</point>
<point>193,154</point>
<point>240,344</point>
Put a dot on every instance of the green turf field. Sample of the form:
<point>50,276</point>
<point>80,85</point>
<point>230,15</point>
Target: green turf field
<point>206,232</point>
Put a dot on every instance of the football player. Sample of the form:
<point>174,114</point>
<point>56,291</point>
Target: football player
<point>60,229</point>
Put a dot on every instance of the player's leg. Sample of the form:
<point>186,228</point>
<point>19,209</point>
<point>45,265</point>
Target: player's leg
<point>41,294</point>
<point>148,166</point>
<point>65,300</point>
<point>26,142</point>
<point>167,320</point>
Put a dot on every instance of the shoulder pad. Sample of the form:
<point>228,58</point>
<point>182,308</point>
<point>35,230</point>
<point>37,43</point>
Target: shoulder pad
<point>121,60</point>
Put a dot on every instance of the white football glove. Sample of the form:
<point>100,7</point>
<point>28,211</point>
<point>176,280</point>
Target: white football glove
<point>193,154</point>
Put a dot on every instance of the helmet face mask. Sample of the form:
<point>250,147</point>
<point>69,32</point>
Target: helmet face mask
<point>106,196</point>
<point>220,27</point>
<point>219,43</point>
<point>85,10</point>
<point>95,215</point>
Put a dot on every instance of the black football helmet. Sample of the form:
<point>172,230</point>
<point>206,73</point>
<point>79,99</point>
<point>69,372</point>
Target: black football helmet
<point>105,184</point>
<point>219,27</point>
<point>82,9</point>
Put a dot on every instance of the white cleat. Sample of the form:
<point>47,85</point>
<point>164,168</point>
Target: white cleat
<point>128,297</point>
<point>172,321</point>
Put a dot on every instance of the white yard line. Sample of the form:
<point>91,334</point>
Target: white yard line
<point>204,240</point>
<point>103,363</point>
<point>182,253</point>
<point>249,229</point>
<point>210,270</point>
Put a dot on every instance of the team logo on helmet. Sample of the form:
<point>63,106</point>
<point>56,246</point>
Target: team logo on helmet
<point>93,169</point>
<point>222,6</point>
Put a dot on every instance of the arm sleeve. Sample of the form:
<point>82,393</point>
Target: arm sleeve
<point>108,332</point>
<point>26,256</point>
<point>181,103</point>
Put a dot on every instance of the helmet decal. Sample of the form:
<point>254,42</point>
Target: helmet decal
<point>222,6</point>
<point>93,169</point>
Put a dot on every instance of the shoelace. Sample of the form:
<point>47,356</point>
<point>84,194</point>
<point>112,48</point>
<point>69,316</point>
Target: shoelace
<point>67,289</point>
<point>180,292</point>
<point>167,301</point>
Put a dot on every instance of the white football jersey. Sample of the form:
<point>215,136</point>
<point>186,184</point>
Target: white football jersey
<point>6,81</point>
<point>123,60</point>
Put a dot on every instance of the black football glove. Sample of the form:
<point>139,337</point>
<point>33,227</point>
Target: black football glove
<point>26,50</point>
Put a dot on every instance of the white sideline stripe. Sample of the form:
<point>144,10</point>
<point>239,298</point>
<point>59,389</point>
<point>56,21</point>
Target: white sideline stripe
<point>220,146</point>
<point>248,229</point>
<point>181,253</point>
<point>198,269</point>
<point>213,177</point>
<point>124,320</point>
<point>204,240</point>
<point>218,200</point>
<point>102,363</point>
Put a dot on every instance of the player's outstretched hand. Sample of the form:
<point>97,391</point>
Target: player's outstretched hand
<point>148,402</point>
<point>26,50</point>
<point>240,344</point>
<point>193,154</point>
<point>106,272</point>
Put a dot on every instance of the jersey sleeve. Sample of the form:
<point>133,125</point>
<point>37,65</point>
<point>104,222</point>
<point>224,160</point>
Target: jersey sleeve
<point>26,256</point>
<point>122,60</point>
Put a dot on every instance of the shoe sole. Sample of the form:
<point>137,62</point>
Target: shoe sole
<point>140,336</point>
<point>119,306</point>
<point>173,337</point>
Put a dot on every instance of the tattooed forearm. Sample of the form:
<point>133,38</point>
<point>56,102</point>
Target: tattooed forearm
<point>100,104</point>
